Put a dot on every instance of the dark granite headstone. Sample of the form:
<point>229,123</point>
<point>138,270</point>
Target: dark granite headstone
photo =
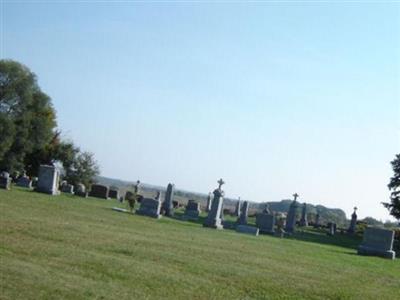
<point>67,188</point>
<point>303,220</point>
<point>265,222</point>
<point>331,229</point>
<point>80,190</point>
<point>291,216</point>
<point>113,194</point>
<point>168,205</point>
<point>242,220</point>
<point>316,224</point>
<point>192,210</point>
<point>99,191</point>
<point>150,207</point>
<point>237,208</point>
<point>377,242</point>
<point>25,182</point>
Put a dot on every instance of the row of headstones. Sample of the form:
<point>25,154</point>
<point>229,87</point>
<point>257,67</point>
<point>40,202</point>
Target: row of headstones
<point>376,241</point>
<point>48,182</point>
<point>23,181</point>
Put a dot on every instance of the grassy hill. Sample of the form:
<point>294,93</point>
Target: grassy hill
<point>65,247</point>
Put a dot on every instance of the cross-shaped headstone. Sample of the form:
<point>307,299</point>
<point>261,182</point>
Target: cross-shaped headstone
<point>220,182</point>
<point>295,195</point>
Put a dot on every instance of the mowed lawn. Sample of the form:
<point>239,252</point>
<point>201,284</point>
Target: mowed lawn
<point>66,247</point>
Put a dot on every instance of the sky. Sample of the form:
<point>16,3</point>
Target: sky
<point>273,97</point>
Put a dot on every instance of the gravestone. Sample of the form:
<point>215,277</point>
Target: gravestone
<point>291,216</point>
<point>353,222</point>
<point>80,190</point>
<point>113,193</point>
<point>303,220</point>
<point>237,208</point>
<point>67,188</point>
<point>168,205</point>
<point>213,219</point>
<point>265,221</point>
<point>247,229</point>
<point>242,220</point>
<point>331,229</point>
<point>99,191</point>
<point>24,181</point>
<point>192,211</point>
<point>5,180</point>
<point>209,202</point>
<point>377,242</point>
<point>48,180</point>
<point>316,224</point>
<point>150,207</point>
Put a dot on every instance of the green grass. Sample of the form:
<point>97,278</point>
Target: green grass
<point>65,247</point>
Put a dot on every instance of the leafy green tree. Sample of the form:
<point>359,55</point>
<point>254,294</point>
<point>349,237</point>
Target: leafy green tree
<point>83,170</point>
<point>394,186</point>
<point>27,118</point>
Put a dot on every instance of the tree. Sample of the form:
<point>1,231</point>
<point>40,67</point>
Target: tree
<point>394,186</point>
<point>83,170</point>
<point>27,117</point>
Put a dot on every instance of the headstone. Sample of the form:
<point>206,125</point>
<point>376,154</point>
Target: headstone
<point>316,224</point>
<point>67,188</point>
<point>213,219</point>
<point>291,216</point>
<point>80,190</point>
<point>168,205</point>
<point>353,222</point>
<point>113,194</point>
<point>237,208</point>
<point>192,210</point>
<point>247,229</point>
<point>150,207</point>
<point>49,178</point>
<point>99,191</point>
<point>265,221</point>
<point>5,180</point>
<point>24,181</point>
<point>331,229</point>
<point>377,242</point>
<point>303,220</point>
<point>209,202</point>
<point>242,220</point>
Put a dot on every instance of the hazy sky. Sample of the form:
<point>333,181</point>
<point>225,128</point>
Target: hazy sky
<point>275,98</point>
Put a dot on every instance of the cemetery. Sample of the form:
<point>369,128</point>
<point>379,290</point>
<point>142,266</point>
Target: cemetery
<point>291,103</point>
<point>130,245</point>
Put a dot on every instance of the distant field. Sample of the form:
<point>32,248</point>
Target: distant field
<point>65,247</point>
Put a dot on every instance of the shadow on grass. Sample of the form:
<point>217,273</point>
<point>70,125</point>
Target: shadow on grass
<point>308,234</point>
<point>320,236</point>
